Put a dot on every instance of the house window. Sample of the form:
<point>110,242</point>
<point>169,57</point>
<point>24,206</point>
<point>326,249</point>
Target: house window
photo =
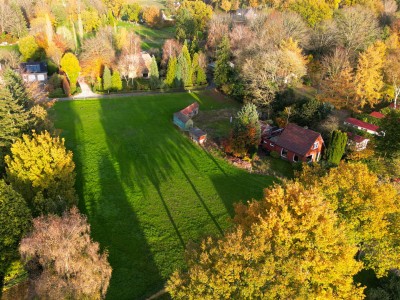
<point>31,78</point>
<point>309,158</point>
<point>40,77</point>
<point>315,146</point>
<point>284,153</point>
<point>145,75</point>
<point>295,158</point>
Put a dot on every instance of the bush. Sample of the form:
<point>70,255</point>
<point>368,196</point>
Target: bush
<point>57,93</point>
<point>275,154</point>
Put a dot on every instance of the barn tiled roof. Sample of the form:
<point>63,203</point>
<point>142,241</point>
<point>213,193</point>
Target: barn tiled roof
<point>297,139</point>
<point>189,109</point>
<point>362,124</point>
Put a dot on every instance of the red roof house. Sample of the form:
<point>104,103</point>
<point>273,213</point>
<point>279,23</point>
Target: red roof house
<point>296,143</point>
<point>356,142</point>
<point>370,128</point>
<point>376,114</point>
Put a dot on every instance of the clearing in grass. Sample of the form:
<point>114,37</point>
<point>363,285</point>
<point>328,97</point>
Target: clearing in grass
<point>146,188</point>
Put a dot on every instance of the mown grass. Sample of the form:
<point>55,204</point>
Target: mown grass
<point>151,37</point>
<point>146,188</point>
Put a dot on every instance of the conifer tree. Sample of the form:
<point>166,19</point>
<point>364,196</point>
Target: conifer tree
<point>15,84</point>
<point>107,84</point>
<point>171,72</point>
<point>14,119</point>
<point>222,68</point>
<point>185,64</point>
<point>154,75</point>
<point>337,145</point>
<point>178,74</point>
<point>116,81</point>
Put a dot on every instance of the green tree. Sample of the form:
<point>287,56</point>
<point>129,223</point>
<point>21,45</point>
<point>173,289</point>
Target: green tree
<point>246,132</point>
<point>337,145</point>
<point>116,81</point>
<point>389,144</point>
<point>278,250</point>
<point>131,12</point>
<point>154,76</point>
<point>42,171</point>
<point>15,220</point>
<point>171,72</point>
<point>90,19</point>
<point>107,84</point>
<point>15,84</point>
<point>199,75</point>
<point>29,49</point>
<point>185,25</point>
<point>70,65</point>
<point>223,69</point>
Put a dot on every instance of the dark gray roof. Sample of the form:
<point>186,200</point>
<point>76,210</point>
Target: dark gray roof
<point>197,132</point>
<point>34,67</point>
<point>184,118</point>
<point>297,139</point>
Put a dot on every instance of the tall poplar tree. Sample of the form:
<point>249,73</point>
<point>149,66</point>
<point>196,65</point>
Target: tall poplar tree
<point>154,75</point>
<point>222,68</point>
<point>107,84</point>
<point>171,72</point>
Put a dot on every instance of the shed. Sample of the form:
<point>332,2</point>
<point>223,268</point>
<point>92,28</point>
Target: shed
<point>183,121</point>
<point>197,135</point>
<point>360,125</point>
<point>377,115</point>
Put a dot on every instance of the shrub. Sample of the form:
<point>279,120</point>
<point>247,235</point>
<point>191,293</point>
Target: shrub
<point>275,154</point>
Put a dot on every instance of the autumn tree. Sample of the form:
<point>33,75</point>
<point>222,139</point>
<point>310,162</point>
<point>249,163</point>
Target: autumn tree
<point>388,145</point>
<point>70,65</point>
<point>392,73</point>
<point>337,146</point>
<point>246,132</point>
<point>226,5</point>
<point>42,171</point>
<point>29,48</point>
<point>15,220</point>
<point>313,12</point>
<point>278,250</point>
<point>90,19</point>
<point>218,27</point>
<point>71,264</point>
<point>171,48</point>
<point>115,6</point>
<point>369,76</point>
<point>367,206</point>
<point>152,16</point>
<point>355,28</point>
<point>130,12</point>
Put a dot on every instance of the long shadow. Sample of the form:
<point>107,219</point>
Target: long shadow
<point>200,198</point>
<point>115,225</point>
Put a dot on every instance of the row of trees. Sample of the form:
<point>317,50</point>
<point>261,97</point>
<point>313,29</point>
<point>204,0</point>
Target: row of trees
<point>37,187</point>
<point>305,239</point>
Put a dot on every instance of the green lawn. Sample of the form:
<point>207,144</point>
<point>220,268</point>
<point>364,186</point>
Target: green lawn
<point>151,37</point>
<point>146,188</point>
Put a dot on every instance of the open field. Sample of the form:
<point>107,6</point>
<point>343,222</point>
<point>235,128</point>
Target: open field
<point>151,37</point>
<point>146,188</point>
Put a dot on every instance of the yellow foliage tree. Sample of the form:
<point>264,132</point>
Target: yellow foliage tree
<point>42,171</point>
<point>368,207</point>
<point>290,245</point>
<point>369,76</point>
<point>226,5</point>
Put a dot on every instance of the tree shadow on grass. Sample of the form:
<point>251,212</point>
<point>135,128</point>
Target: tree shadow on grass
<point>115,225</point>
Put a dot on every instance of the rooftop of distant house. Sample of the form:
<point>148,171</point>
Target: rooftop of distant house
<point>34,67</point>
<point>377,114</point>
<point>296,139</point>
<point>356,138</point>
<point>362,124</point>
<point>189,109</point>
